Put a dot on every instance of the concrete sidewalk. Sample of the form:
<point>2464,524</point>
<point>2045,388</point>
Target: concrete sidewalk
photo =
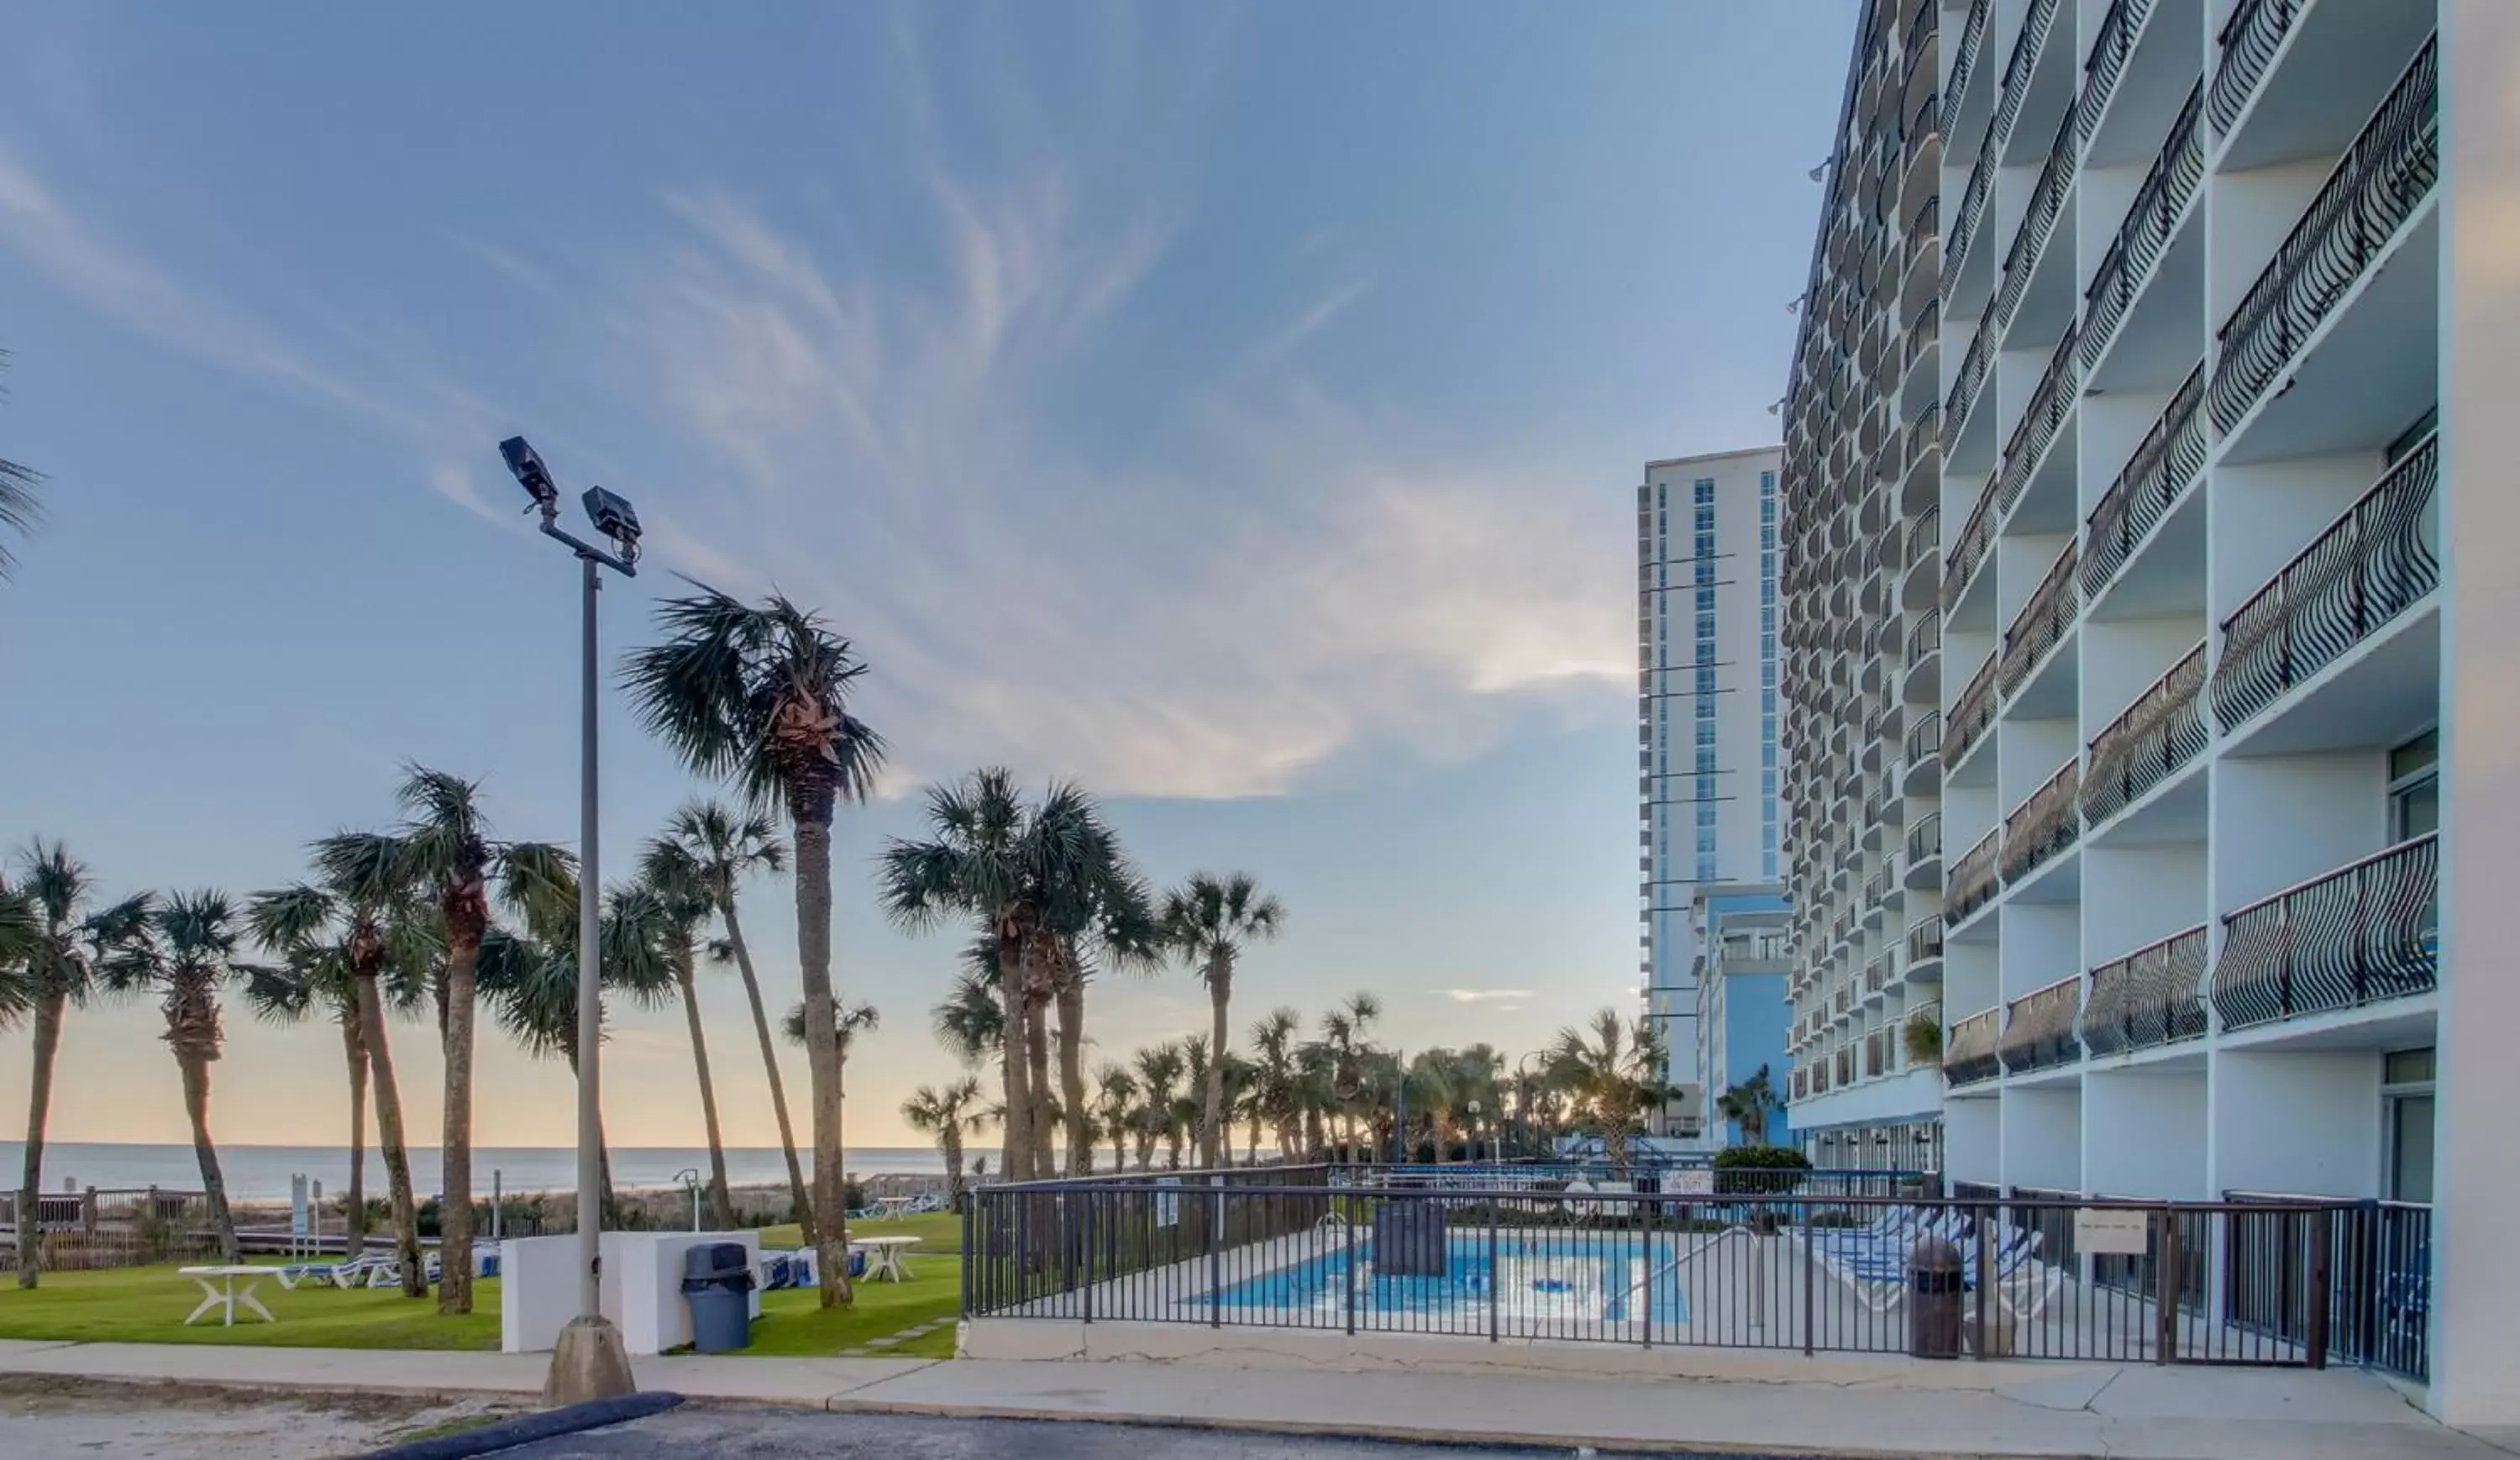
<point>1804,1407</point>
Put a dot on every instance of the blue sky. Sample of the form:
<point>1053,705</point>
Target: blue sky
<point>1234,407</point>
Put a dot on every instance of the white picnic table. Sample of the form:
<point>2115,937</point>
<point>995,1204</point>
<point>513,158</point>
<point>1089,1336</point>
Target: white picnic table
<point>884,1256</point>
<point>219,1290</point>
<point>893,1207</point>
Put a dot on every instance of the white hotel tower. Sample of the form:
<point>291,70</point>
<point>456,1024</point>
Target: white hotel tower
<point>2151,623</point>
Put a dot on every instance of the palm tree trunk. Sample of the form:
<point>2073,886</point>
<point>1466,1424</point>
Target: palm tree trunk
<point>1119,1149</point>
<point>39,1105</point>
<point>813,822</point>
<point>1036,1039</point>
<point>804,1207</point>
<point>1014,1156</point>
<point>406,1215</point>
<point>355,1217</point>
<point>721,1201</point>
<point>1071,1074</point>
<point>952,1136</point>
<point>1211,1126</point>
<point>455,1209</point>
<point>196,1071</point>
<point>1251,1145</point>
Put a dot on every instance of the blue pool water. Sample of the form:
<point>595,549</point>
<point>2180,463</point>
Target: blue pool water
<point>1584,1277</point>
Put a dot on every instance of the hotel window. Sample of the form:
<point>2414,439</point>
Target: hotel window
<point>2414,786</point>
<point>2407,1100</point>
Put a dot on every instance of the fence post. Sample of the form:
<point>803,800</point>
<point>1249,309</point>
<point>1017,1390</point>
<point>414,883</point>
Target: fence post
<point>1216,1251</point>
<point>1985,1274</point>
<point>2165,1287</point>
<point>1492,1270</point>
<point>1347,1232</point>
<point>971,1248</point>
<point>1811,1264</point>
<point>1088,1198</point>
<point>2320,1230</point>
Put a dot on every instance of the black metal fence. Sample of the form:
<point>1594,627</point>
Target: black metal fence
<point>1505,1251</point>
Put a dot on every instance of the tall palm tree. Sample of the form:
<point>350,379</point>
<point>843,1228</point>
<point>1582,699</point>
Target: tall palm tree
<point>20,512</point>
<point>1611,1075</point>
<point>762,695</point>
<point>1115,1102</point>
<point>848,1020</point>
<point>946,1113</point>
<point>679,902</point>
<point>1748,1104</point>
<point>1346,1048</point>
<point>1277,1081</point>
<point>445,854</point>
<point>55,959</point>
<point>1208,921</point>
<point>1120,931</point>
<point>1040,878</point>
<point>349,948</point>
<point>185,950</point>
<point>725,845</point>
<point>1159,1071</point>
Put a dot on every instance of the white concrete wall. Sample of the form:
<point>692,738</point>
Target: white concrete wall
<point>2297,1123</point>
<point>2144,1133</point>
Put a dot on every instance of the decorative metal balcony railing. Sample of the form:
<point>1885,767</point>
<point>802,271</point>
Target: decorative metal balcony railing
<point>1924,538</point>
<point>1925,838</point>
<point>1968,552</point>
<point>1973,208</point>
<point>2039,221</point>
<point>1969,383</point>
<point>2038,1028</point>
<point>1925,434</point>
<point>1925,738</point>
<point>2046,825</point>
<point>1970,1052</point>
<point>1923,335</point>
<point>2041,625</point>
<point>2151,219</point>
<point>2147,998</point>
<point>2107,60</point>
<point>2050,401</point>
<point>1964,59</point>
<point>1919,30</point>
<point>2015,87</point>
<point>2161,731</point>
<point>2167,459</point>
<point>1877,887</point>
<point>1925,638</point>
<point>2360,935</point>
<point>2382,178</point>
<point>1875,973</point>
<point>1972,715</point>
<point>2246,47</point>
<point>2370,566</point>
<point>1926,939</point>
<point>1972,882</point>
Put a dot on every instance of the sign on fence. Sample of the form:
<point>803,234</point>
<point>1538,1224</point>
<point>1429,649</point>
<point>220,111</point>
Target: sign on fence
<point>2101,1232</point>
<point>298,1206</point>
<point>1690,1182</point>
<point>1168,1202</point>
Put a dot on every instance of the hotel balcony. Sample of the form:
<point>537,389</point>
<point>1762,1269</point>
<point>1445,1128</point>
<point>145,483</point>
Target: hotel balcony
<point>1873,1046</point>
<point>2038,1028</point>
<point>2024,77</point>
<point>1969,1053</point>
<point>2375,562</point>
<point>2290,75</point>
<point>1925,947</point>
<point>2152,222</point>
<point>2052,402</point>
<point>1957,95</point>
<point>1972,716</point>
<point>2163,467</point>
<point>1968,551</point>
<point>1924,865</point>
<point>2148,998</point>
<point>2043,623</point>
<point>1920,584</point>
<point>2379,185</point>
<point>1967,388</point>
<point>1972,884</point>
<point>2148,742</point>
<point>2021,261</point>
<point>1922,774</point>
<point>2046,826</point>
<point>2355,937</point>
<point>1925,455</point>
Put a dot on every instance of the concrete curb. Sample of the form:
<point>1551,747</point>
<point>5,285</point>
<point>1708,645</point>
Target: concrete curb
<point>550,1424</point>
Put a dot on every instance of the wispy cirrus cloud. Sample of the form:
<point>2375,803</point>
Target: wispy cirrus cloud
<point>1488,995</point>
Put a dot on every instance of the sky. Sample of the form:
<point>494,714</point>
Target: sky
<point>1235,409</point>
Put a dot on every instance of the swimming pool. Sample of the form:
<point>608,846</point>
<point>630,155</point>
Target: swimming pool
<point>1538,1280</point>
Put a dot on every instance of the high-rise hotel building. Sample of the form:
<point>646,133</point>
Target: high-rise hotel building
<point>2153,761</point>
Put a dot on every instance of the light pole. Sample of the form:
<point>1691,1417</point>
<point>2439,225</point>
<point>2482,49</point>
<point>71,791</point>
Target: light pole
<point>589,1361</point>
<point>1475,1131</point>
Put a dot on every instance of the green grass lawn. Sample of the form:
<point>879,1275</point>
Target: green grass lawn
<point>148,1304</point>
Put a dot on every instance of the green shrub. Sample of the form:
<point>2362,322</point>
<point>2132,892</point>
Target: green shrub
<point>1760,1170</point>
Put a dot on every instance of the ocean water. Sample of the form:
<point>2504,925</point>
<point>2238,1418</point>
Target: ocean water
<point>261,1174</point>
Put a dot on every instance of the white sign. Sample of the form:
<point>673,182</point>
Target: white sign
<point>296,1206</point>
<point>1693,1181</point>
<point>1168,1202</point>
<point>2100,1233</point>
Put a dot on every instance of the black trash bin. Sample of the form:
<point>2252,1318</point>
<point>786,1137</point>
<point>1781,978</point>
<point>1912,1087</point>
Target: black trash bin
<point>717,1284</point>
<point>1934,1299</point>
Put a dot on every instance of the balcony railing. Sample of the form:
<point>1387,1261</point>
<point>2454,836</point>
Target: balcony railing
<point>2046,825</point>
<point>1926,939</point>
<point>1972,713</point>
<point>2051,400</point>
<point>1925,433</point>
<point>2024,61</point>
<point>2107,60</point>
<point>1928,325</point>
<point>2147,998</point>
<point>1925,738</point>
<point>1964,59</point>
<point>2388,171</point>
<point>1875,973</point>
<point>2370,566</point>
<point>1846,1065</point>
<point>2160,732</point>
<point>2248,45</point>
<point>2041,625</point>
<point>1969,550</point>
<point>1925,838</point>
<point>1877,887</point>
<point>1872,1055</point>
<point>2159,204</point>
<point>1973,208</point>
<point>2161,469</point>
<point>2038,1028</point>
<point>2353,938</point>
<point>1972,882</point>
<point>1925,638</point>
<point>1925,538</point>
<point>2047,201</point>
<point>1970,1054</point>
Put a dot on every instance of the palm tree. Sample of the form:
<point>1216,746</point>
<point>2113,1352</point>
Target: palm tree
<point>54,953</point>
<point>1208,920</point>
<point>1346,1048</point>
<point>348,948</point>
<point>1115,1102</point>
<point>724,846</point>
<point>1613,1076</point>
<point>1277,1081</point>
<point>762,695</point>
<point>1159,1069</point>
<point>20,512</point>
<point>679,902</point>
<point>185,949</point>
<point>945,1115</point>
<point>1748,1104</point>
<point>1121,933</point>
<point>1039,878</point>
<point>971,1021</point>
<point>847,1023</point>
<point>445,854</point>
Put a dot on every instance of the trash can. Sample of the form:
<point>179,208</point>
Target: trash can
<point>717,1284</point>
<point>1934,1299</point>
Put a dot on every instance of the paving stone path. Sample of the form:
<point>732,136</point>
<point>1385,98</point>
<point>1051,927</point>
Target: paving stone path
<point>880,1347</point>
